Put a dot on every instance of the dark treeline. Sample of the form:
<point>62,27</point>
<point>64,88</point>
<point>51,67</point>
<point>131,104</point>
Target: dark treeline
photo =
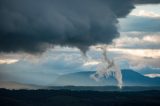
<point>77,98</point>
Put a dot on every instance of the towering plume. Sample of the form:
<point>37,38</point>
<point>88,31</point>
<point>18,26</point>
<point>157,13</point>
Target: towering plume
<point>107,68</point>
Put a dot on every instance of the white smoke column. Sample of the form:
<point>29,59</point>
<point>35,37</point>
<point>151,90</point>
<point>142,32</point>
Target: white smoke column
<point>107,68</point>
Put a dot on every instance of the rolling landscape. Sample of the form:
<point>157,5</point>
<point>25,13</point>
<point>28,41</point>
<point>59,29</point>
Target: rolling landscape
<point>78,98</point>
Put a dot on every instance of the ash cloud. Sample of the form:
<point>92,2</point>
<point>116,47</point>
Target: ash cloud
<point>32,25</point>
<point>107,68</point>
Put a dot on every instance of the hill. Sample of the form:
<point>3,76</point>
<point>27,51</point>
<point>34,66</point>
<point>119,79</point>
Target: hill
<point>130,78</point>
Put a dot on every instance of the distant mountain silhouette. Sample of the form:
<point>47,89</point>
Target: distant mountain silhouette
<point>130,78</point>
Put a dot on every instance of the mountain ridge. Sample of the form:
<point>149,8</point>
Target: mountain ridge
<point>130,78</point>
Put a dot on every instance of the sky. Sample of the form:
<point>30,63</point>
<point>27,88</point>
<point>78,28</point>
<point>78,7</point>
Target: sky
<point>40,40</point>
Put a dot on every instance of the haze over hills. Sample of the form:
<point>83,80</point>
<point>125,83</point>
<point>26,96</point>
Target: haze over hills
<point>82,79</point>
<point>130,78</point>
<point>16,85</point>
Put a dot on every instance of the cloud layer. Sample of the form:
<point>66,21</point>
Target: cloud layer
<point>33,25</point>
<point>147,1</point>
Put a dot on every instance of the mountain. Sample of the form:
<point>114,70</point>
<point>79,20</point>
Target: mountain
<point>130,78</point>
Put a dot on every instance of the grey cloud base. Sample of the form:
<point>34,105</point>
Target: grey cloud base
<point>147,1</point>
<point>32,25</point>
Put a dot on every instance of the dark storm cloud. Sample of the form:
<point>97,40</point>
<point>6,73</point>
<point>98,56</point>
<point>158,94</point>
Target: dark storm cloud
<point>32,25</point>
<point>147,1</point>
